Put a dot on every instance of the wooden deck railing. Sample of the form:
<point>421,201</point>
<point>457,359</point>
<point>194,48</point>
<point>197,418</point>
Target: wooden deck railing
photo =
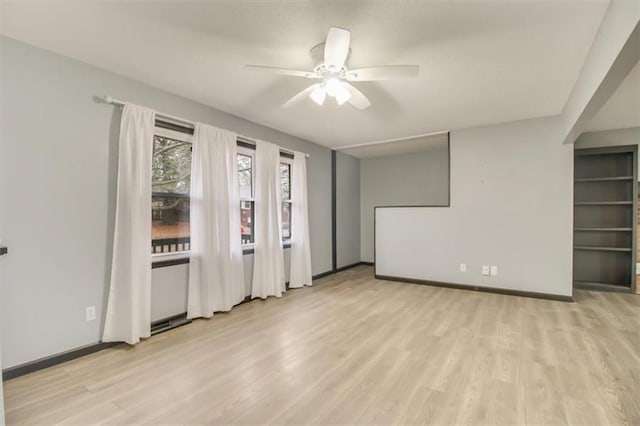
<point>170,245</point>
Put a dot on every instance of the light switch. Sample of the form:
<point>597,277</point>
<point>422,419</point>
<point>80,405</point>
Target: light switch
<point>486,270</point>
<point>494,270</point>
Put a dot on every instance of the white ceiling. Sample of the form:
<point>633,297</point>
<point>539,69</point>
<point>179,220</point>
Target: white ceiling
<point>622,110</point>
<point>481,62</point>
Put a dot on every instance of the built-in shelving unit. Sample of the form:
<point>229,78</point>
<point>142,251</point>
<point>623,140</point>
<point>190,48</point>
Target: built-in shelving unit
<point>605,195</point>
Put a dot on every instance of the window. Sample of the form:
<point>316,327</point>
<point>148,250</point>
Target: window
<point>245,179</point>
<point>285,190</point>
<point>171,184</point>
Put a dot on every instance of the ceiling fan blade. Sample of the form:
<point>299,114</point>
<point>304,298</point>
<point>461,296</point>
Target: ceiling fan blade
<point>296,99</point>
<point>336,48</point>
<point>388,72</point>
<point>281,71</point>
<point>357,99</point>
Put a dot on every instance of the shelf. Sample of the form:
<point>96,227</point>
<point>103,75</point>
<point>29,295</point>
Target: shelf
<point>603,203</point>
<point>596,248</point>
<point>592,285</point>
<point>606,179</point>
<point>603,229</point>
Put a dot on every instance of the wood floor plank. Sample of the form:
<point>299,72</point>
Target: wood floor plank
<point>354,349</point>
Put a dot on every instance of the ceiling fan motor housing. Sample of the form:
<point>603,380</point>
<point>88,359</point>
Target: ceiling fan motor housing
<point>317,57</point>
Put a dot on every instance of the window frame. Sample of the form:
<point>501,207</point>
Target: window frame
<point>180,137</point>
<point>242,150</point>
<point>289,162</point>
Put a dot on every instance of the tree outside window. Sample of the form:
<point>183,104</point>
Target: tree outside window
<point>171,184</point>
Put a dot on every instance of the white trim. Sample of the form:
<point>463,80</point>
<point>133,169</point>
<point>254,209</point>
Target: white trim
<point>289,200</point>
<point>251,153</point>
<point>179,137</point>
<point>288,161</point>
<point>175,255</point>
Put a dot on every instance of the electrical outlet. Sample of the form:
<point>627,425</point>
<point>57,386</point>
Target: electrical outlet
<point>90,313</point>
<point>486,270</point>
<point>463,267</point>
<point>494,270</point>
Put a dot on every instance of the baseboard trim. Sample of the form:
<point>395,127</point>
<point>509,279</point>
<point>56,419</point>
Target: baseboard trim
<point>321,275</point>
<point>50,361</point>
<point>508,292</point>
<point>368,263</point>
<point>344,268</point>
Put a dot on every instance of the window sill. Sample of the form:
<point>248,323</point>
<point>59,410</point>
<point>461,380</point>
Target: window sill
<point>250,248</point>
<point>183,257</point>
<point>169,259</point>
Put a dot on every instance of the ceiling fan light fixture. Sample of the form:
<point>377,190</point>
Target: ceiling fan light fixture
<point>333,86</point>
<point>342,97</point>
<point>318,95</point>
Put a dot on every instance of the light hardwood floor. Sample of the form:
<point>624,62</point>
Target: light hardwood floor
<point>353,349</point>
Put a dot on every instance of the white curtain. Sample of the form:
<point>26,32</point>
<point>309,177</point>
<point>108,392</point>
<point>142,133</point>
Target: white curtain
<point>300,272</point>
<point>268,259</point>
<point>128,316</point>
<point>216,274</point>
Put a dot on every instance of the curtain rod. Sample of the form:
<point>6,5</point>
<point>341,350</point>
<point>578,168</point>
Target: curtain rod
<point>181,121</point>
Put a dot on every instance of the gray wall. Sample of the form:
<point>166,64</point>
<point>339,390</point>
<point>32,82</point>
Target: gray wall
<point>420,178</point>
<point>58,174</point>
<point>511,206</point>
<point>347,209</point>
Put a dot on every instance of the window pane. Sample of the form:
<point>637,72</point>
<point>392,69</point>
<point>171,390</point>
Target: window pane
<point>245,175</point>
<point>285,180</point>
<point>246,221</point>
<point>171,183</point>
<point>286,220</point>
<point>171,166</point>
<point>170,224</point>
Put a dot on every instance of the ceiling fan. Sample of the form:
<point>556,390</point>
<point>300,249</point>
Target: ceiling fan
<point>330,58</point>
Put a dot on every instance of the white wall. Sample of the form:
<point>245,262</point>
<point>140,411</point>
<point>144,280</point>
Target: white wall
<point>169,291</point>
<point>418,178</point>
<point>347,209</point>
<point>604,138</point>
<point>613,54</point>
<point>511,206</point>
<point>58,175</point>
<point>170,287</point>
<point>618,137</point>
